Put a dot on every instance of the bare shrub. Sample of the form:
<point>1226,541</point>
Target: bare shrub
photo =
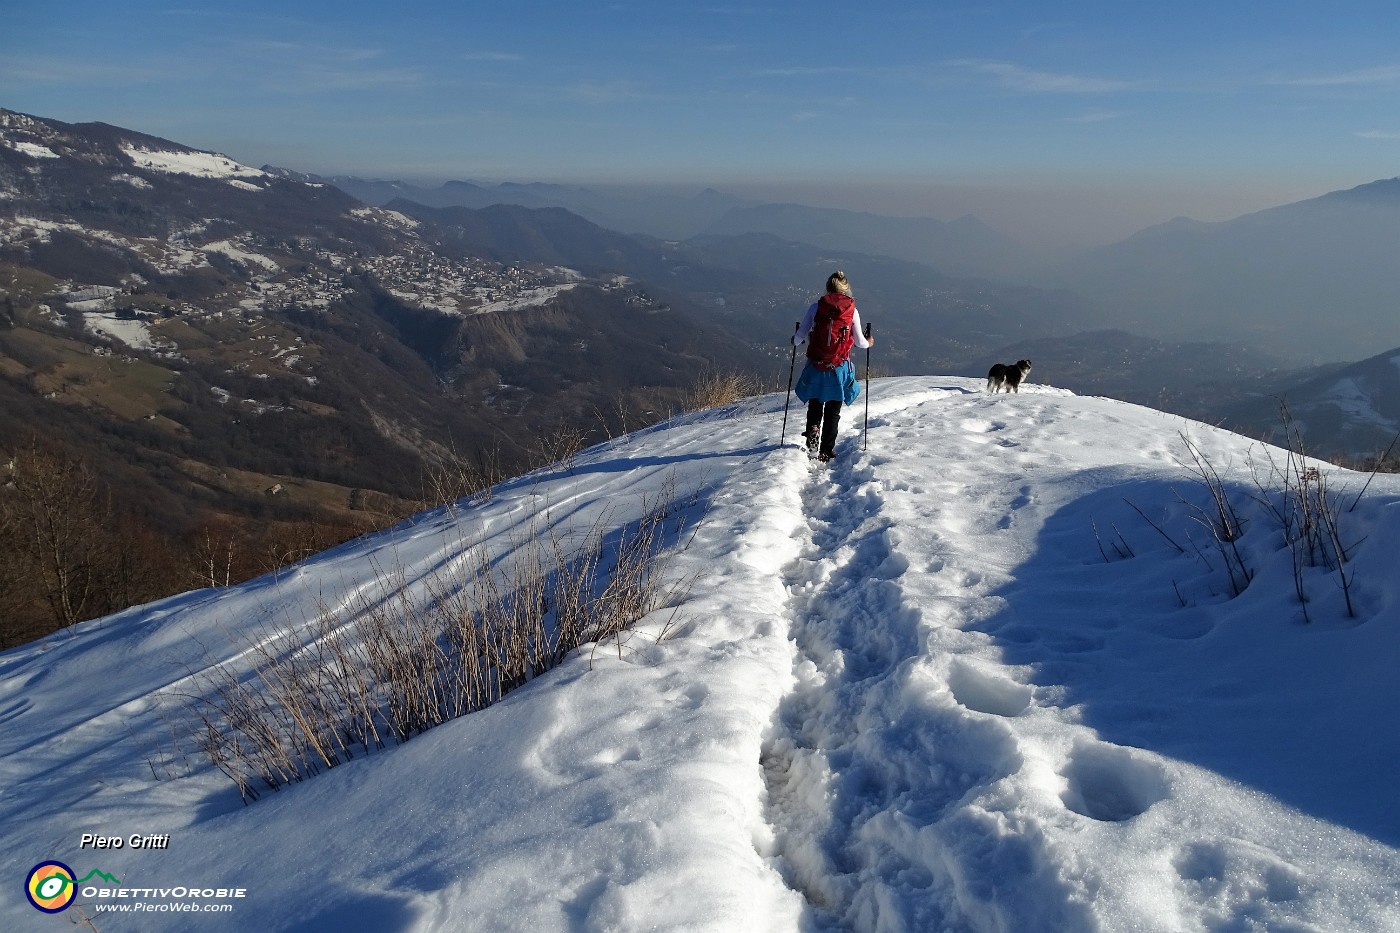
<point>454,478</point>
<point>558,446</point>
<point>1308,513</point>
<point>213,554</point>
<point>387,670</point>
<point>1295,495</point>
<point>1221,519</point>
<point>70,551</point>
<point>55,509</point>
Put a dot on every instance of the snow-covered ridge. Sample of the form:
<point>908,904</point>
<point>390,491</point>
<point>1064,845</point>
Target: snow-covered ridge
<point>956,681</point>
<point>190,162</point>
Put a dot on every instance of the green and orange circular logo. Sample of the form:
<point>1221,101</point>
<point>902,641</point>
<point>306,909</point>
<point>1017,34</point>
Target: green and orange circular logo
<point>51,886</point>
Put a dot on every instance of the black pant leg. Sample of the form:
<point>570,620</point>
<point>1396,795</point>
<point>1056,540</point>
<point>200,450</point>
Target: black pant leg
<point>831,420</point>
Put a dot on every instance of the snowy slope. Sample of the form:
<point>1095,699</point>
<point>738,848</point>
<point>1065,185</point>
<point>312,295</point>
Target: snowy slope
<point>956,682</point>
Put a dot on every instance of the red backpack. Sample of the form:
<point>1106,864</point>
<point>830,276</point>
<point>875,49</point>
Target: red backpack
<point>829,344</point>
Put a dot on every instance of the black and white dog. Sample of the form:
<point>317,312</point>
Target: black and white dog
<point>1007,376</point>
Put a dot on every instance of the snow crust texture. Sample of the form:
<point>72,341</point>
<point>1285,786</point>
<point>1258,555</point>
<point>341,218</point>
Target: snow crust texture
<point>957,681</point>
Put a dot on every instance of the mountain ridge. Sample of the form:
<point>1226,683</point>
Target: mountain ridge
<point>1313,280</point>
<point>200,332</point>
<point>961,679</point>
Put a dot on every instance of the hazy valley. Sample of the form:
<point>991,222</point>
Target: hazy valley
<point>245,365</point>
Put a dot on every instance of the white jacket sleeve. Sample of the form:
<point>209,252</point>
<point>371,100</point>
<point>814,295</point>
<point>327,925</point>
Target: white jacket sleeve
<point>805,328</point>
<point>860,329</point>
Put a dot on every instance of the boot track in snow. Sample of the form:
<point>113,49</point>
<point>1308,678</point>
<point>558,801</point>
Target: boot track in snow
<point>878,746</point>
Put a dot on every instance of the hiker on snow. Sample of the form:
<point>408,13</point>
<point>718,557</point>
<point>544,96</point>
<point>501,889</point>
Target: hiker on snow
<point>832,326</point>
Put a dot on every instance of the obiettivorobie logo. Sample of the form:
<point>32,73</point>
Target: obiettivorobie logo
<point>51,886</point>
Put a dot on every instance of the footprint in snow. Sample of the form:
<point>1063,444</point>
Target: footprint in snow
<point>985,692</point>
<point>1110,783</point>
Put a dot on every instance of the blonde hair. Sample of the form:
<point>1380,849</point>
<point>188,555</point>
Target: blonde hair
<point>837,283</point>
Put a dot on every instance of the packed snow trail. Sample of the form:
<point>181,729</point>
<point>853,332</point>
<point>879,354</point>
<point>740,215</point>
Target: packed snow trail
<point>863,755</point>
<point>919,781</point>
<point>913,690</point>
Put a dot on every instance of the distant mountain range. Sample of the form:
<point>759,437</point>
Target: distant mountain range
<point>656,214</point>
<point>207,331</point>
<point>285,327</point>
<point>1317,280</point>
<point>965,247</point>
<point>1313,281</point>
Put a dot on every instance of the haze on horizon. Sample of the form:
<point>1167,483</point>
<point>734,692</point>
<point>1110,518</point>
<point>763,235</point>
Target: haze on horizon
<point>1074,126</point>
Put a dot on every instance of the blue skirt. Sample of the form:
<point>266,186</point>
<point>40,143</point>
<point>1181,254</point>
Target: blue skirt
<point>836,385</point>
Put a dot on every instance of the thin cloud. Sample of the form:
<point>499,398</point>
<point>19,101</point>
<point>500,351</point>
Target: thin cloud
<point>1098,116</point>
<point>491,57</point>
<point>1043,82</point>
<point>600,93</point>
<point>326,79</point>
<point>1383,76</point>
<point>69,72</point>
<point>808,71</point>
<point>301,52</point>
<point>1378,134</point>
<point>308,68</point>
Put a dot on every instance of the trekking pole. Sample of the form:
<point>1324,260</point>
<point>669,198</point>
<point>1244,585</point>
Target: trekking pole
<point>865,442</point>
<point>791,367</point>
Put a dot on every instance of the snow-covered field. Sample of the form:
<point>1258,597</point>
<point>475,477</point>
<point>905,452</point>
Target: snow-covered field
<point>134,333</point>
<point>240,253</point>
<point>960,681</point>
<point>190,162</point>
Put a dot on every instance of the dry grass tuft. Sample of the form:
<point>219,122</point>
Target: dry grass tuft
<point>717,388</point>
<point>383,672</point>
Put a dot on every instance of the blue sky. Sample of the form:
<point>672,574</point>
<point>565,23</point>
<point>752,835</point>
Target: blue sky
<point>1139,111</point>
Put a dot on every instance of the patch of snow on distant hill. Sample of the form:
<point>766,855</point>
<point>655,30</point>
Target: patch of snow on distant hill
<point>234,251</point>
<point>33,150</point>
<point>437,303</point>
<point>22,228</point>
<point>199,164</point>
<point>386,217</point>
<point>528,299</point>
<point>134,333</point>
<point>133,180</point>
<point>1351,397</point>
<point>88,298</point>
